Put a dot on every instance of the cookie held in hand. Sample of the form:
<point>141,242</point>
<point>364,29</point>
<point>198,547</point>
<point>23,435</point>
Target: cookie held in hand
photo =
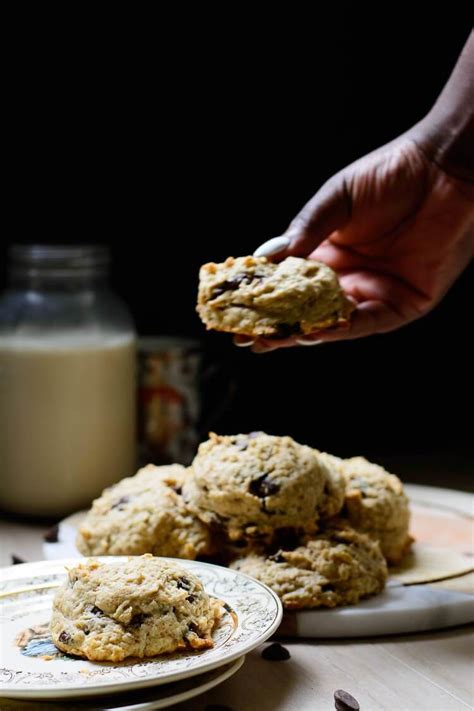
<point>254,297</point>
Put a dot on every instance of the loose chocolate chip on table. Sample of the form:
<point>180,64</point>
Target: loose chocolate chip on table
<point>64,637</point>
<point>51,536</point>
<point>263,486</point>
<point>16,560</point>
<point>275,653</point>
<point>344,701</point>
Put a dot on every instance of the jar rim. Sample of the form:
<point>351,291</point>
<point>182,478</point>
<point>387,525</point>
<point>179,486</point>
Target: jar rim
<point>50,256</point>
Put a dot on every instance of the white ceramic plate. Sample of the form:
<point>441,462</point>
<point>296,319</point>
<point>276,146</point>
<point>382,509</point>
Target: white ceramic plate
<point>140,700</point>
<point>253,613</point>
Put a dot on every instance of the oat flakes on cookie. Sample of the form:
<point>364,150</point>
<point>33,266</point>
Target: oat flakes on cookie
<point>338,566</point>
<point>376,504</point>
<point>145,514</point>
<point>255,297</point>
<point>252,485</point>
<point>140,607</point>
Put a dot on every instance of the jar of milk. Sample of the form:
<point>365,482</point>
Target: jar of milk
<point>67,381</point>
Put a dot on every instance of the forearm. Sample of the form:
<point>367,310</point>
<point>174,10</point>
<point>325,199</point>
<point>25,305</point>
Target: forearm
<point>446,134</point>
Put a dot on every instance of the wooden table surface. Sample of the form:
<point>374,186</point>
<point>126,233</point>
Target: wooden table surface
<point>432,671</point>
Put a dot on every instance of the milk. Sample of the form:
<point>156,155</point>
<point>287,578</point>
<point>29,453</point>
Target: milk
<point>67,419</point>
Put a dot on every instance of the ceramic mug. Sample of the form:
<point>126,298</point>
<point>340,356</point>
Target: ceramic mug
<point>181,394</point>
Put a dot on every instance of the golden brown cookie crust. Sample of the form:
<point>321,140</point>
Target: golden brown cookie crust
<point>252,485</point>
<point>140,607</point>
<point>339,566</point>
<point>255,297</point>
<point>145,514</point>
<point>376,504</point>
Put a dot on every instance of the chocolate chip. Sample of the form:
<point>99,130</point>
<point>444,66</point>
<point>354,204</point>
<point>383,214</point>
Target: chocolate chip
<point>96,611</point>
<point>52,536</point>
<point>275,653</point>
<point>263,486</point>
<point>193,628</point>
<point>65,638</point>
<point>184,583</point>
<point>178,490</point>
<point>287,539</point>
<point>240,543</point>
<point>16,560</point>
<point>231,284</point>
<point>119,504</point>
<point>137,620</point>
<point>227,607</point>
<point>191,598</point>
<point>344,701</point>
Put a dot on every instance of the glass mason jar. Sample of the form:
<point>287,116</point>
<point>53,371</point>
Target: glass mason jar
<point>67,381</point>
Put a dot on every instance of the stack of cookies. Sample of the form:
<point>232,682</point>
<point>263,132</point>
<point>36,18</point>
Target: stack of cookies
<point>317,529</point>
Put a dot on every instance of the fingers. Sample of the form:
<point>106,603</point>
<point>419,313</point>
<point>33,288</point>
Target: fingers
<point>369,318</point>
<point>272,247</point>
<point>243,341</point>
<point>265,345</point>
<point>329,210</point>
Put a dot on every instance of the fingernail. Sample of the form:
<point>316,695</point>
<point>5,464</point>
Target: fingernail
<point>244,344</point>
<point>272,246</point>
<point>303,342</point>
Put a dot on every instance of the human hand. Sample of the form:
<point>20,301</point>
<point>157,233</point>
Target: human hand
<point>398,224</point>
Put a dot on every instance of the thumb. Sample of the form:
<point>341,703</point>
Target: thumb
<point>327,211</point>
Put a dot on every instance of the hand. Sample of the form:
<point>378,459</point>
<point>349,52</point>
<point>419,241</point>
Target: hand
<point>396,228</point>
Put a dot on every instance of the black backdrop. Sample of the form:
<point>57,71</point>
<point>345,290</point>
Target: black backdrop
<point>179,140</point>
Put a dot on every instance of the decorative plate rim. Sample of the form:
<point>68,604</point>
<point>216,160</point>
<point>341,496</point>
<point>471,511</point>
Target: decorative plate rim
<point>220,674</point>
<point>29,571</point>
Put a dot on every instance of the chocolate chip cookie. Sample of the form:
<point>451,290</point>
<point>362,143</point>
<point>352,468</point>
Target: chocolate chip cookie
<point>376,504</point>
<point>140,607</point>
<point>145,514</point>
<point>254,297</point>
<point>252,485</point>
<point>338,566</point>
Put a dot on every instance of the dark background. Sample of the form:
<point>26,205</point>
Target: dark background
<point>184,139</point>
